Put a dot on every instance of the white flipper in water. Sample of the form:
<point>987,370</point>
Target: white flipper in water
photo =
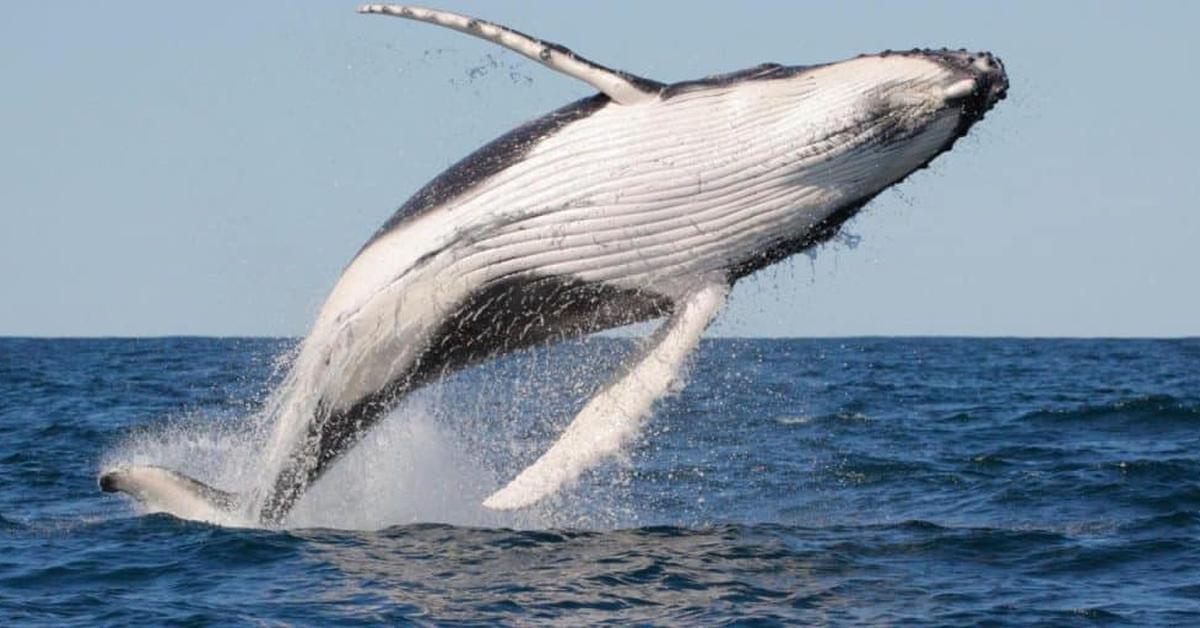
<point>162,490</point>
<point>613,416</point>
<point>623,88</point>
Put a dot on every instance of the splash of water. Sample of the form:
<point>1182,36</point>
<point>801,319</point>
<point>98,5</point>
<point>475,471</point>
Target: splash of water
<point>434,458</point>
<point>409,469</point>
<point>614,416</point>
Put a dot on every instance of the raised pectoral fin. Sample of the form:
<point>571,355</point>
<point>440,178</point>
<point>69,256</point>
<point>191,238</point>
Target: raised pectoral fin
<point>623,88</point>
<point>615,414</point>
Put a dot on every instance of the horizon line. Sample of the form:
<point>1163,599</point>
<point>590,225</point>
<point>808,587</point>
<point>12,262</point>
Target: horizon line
<point>638,336</point>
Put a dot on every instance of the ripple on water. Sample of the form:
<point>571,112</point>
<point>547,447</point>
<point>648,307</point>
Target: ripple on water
<point>847,481</point>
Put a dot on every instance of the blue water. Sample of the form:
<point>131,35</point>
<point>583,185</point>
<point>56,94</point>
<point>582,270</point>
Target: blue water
<point>873,481</point>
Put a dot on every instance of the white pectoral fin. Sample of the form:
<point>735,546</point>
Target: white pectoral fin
<point>615,414</point>
<point>621,87</point>
<point>162,490</point>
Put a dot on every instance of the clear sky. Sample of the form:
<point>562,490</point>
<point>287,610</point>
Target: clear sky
<point>210,168</point>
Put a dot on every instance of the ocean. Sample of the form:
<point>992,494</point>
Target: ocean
<point>873,481</point>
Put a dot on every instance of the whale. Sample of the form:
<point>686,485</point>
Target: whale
<point>648,200</point>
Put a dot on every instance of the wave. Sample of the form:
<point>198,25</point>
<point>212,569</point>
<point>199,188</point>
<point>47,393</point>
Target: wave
<point>1158,407</point>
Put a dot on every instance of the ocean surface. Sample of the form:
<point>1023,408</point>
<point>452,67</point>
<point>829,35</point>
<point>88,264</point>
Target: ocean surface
<point>872,481</point>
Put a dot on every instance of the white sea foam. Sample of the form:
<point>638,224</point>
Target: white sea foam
<point>409,469</point>
<point>435,458</point>
<point>614,416</point>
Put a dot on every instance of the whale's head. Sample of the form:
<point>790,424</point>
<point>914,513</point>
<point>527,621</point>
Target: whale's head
<point>978,81</point>
<point>874,119</point>
<point>921,88</point>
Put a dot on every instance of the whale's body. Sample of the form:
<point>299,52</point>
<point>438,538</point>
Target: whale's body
<point>643,201</point>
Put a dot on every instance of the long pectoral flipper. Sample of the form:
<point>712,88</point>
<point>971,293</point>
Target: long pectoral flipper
<point>163,490</point>
<point>622,87</point>
<point>613,416</point>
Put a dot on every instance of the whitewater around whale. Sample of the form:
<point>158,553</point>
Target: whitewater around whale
<point>648,200</point>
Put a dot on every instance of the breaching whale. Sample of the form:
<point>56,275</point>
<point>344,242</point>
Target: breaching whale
<point>647,200</point>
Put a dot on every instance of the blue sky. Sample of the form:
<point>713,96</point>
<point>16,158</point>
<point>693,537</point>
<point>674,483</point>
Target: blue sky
<point>168,170</point>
